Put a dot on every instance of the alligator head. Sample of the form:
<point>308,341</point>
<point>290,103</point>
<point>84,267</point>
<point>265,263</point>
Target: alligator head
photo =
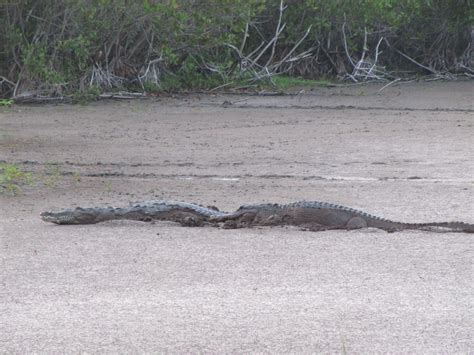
<point>69,216</point>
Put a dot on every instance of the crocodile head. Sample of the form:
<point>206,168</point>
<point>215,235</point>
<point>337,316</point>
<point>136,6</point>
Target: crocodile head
<point>68,216</point>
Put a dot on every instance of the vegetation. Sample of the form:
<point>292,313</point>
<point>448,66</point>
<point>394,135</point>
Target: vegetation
<point>12,178</point>
<point>85,47</point>
<point>6,102</point>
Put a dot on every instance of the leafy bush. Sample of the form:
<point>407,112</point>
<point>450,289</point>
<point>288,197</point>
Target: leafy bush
<point>56,47</point>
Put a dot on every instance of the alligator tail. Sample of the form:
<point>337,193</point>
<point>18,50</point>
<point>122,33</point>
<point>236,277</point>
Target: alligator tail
<point>443,227</point>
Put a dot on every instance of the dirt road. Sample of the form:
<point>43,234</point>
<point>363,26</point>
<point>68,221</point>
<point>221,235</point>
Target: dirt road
<point>405,154</point>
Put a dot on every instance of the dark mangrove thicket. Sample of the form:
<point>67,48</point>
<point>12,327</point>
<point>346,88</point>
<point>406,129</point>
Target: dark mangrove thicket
<point>58,48</point>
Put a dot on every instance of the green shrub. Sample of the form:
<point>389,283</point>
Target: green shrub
<point>86,95</point>
<point>12,178</point>
<point>66,46</point>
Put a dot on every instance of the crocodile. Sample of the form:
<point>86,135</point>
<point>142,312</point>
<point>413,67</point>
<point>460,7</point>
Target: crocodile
<point>309,215</point>
<point>319,216</point>
<point>187,214</point>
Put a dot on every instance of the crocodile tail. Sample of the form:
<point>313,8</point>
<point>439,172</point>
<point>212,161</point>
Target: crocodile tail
<point>443,226</point>
<point>392,226</point>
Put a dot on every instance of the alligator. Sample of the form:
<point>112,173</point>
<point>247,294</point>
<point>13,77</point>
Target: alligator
<point>187,214</point>
<point>319,216</point>
<point>309,215</point>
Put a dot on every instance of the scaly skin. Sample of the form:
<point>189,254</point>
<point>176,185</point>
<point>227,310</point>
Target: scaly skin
<point>312,215</point>
<point>181,212</point>
<point>317,216</point>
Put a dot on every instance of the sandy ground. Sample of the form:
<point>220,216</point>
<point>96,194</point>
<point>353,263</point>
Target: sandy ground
<point>132,287</point>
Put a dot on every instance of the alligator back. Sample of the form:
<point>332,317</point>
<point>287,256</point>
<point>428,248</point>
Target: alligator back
<point>181,212</point>
<point>324,215</point>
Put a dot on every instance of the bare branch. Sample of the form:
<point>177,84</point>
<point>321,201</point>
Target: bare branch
<point>390,83</point>
<point>345,44</point>
<point>3,79</point>
<point>294,49</point>
<point>221,86</point>
<point>417,63</point>
<point>280,15</point>
<point>274,39</point>
<point>244,40</point>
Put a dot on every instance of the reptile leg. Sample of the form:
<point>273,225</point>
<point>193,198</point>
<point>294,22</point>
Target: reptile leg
<point>356,223</point>
<point>191,221</point>
<point>188,219</point>
<point>230,224</point>
<point>244,220</point>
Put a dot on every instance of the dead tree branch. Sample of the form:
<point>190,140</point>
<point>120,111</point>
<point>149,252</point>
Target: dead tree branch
<point>249,63</point>
<point>365,68</point>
